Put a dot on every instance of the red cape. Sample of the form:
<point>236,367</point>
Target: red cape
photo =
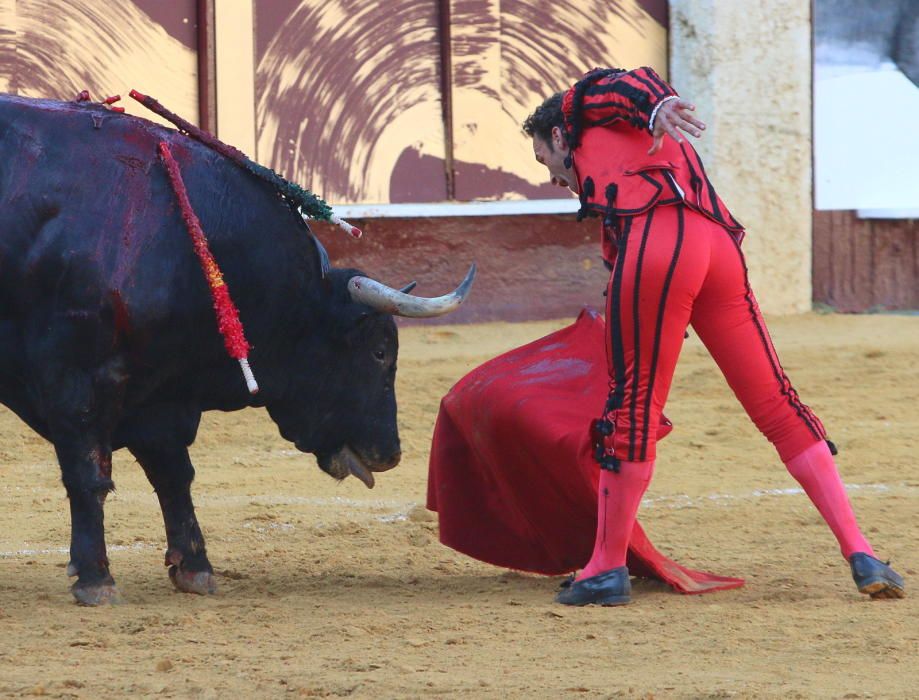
<point>512,476</point>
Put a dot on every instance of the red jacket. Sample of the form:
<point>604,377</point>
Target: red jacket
<point>606,120</point>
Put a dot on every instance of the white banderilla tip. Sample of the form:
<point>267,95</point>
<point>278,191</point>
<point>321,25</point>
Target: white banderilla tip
<point>251,384</point>
<point>353,230</point>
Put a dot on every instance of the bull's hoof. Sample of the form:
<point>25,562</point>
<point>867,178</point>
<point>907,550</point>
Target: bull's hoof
<point>95,594</point>
<point>200,582</point>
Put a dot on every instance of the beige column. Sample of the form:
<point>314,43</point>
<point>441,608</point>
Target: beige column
<point>747,66</point>
<point>234,46</point>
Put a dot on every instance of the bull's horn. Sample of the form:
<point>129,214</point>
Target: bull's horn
<point>382,298</point>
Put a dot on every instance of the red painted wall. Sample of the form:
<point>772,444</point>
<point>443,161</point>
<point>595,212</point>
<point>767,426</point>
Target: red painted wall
<point>530,267</point>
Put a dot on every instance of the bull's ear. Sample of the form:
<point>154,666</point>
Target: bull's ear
<point>324,264</point>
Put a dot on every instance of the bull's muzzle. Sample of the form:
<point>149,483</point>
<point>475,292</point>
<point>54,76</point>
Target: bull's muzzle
<point>347,462</point>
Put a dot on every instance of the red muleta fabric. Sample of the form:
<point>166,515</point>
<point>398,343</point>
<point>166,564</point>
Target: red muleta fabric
<point>512,475</point>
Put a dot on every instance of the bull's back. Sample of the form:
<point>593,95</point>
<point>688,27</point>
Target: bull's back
<point>57,151</point>
<point>59,176</point>
<point>85,206</point>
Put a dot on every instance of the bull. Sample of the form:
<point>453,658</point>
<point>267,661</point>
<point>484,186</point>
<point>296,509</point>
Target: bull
<point>108,338</point>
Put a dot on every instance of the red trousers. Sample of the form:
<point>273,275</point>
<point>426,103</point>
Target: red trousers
<point>674,268</point>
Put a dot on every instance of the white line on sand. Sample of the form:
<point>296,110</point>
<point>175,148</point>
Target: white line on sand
<point>400,509</point>
<point>682,500</point>
<point>64,550</point>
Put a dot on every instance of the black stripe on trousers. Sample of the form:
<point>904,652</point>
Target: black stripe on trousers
<point>615,320</point>
<point>636,369</point>
<point>655,354</point>
<point>786,389</point>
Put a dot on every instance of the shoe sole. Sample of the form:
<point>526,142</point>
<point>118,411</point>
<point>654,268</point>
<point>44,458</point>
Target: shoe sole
<point>614,601</point>
<point>880,590</point>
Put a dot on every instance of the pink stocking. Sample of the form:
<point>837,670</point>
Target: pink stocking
<point>816,471</point>
<point>618,498</point>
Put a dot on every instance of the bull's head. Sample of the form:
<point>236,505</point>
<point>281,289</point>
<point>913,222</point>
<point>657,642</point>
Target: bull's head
<point>342,407</point>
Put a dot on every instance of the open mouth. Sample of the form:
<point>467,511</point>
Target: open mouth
<point>346,462</point>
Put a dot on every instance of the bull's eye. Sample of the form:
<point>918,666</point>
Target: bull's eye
<point>379,354</point>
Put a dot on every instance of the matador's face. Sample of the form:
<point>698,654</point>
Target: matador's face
<point>552,154</point>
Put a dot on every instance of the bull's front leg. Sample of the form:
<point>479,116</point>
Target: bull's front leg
<point>80,408</point>
<point>77,385</point>
<point>171,473</point>
<point>86,469</point>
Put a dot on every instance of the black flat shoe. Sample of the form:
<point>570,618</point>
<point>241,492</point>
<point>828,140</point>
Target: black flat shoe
<point>611,587</point>
<point>875,578</point>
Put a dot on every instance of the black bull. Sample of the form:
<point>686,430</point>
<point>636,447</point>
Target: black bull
<point>108,337</point>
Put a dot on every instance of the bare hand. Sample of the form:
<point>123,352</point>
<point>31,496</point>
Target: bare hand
<point>672,116</point>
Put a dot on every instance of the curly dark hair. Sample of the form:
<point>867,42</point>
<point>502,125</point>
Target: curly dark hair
<point>546,116</point>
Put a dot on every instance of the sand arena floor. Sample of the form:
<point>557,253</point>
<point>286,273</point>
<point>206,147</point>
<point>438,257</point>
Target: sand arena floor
<point>332,590</point>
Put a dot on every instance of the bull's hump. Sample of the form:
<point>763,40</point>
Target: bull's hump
<point>48,105</point>
<point>98,115</point>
